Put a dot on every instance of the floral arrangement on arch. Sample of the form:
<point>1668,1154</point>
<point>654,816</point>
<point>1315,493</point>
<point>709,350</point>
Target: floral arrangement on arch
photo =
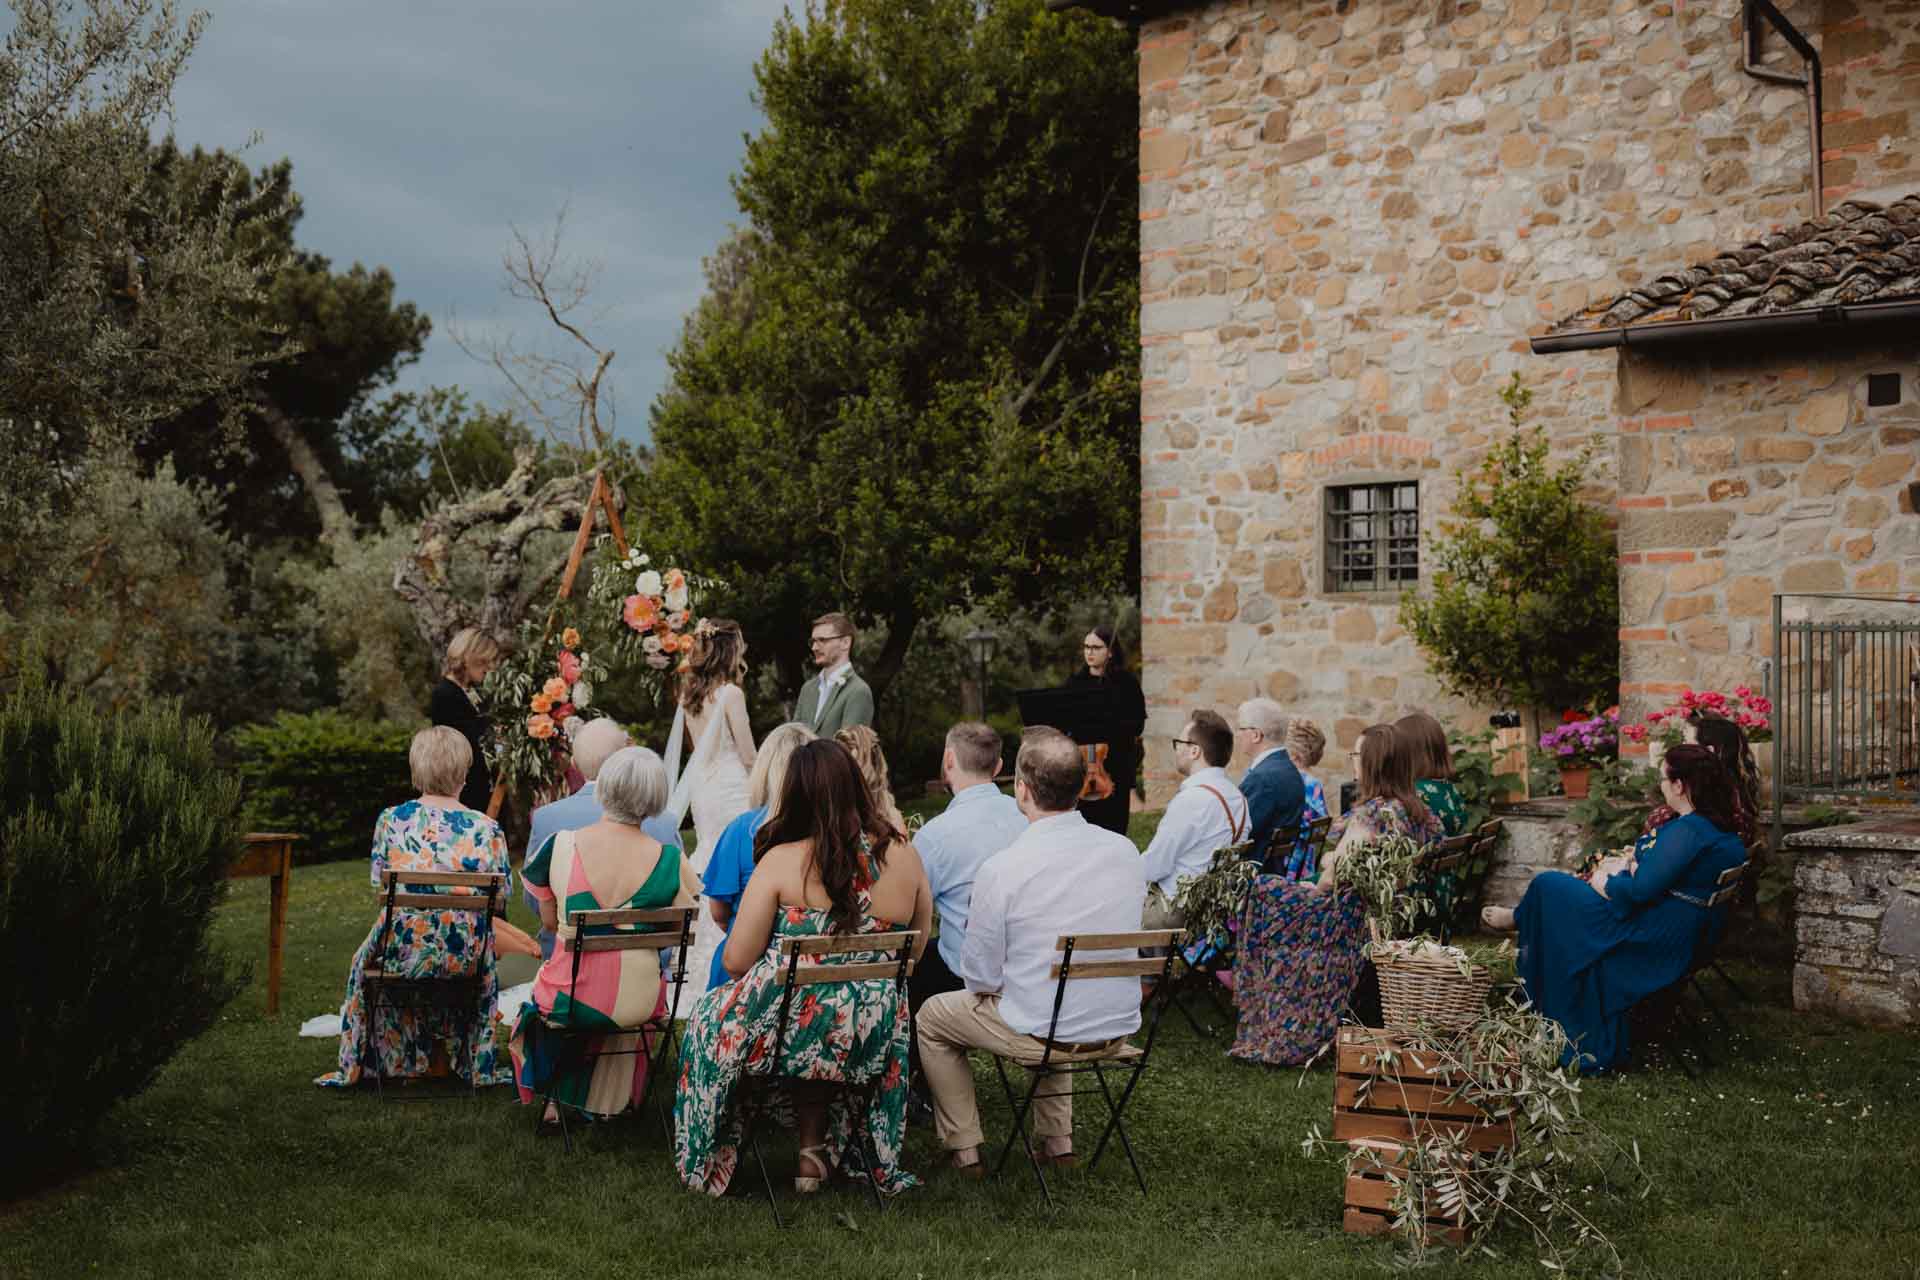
<point>537,699</point>
<point>1668,725</point>
<point>1581,743</point>
<point>651,610</point>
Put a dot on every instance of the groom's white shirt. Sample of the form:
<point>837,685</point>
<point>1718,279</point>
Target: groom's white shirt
<point>829,681</point>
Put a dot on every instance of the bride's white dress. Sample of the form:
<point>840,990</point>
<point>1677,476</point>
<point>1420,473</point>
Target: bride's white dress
<point>714,790</point>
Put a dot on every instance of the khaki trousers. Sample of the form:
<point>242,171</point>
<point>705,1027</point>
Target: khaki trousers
<point>953,1023</point>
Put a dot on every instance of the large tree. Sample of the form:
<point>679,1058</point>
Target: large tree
<point>914,385</point>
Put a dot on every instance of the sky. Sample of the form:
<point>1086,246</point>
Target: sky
<point>421,130</point>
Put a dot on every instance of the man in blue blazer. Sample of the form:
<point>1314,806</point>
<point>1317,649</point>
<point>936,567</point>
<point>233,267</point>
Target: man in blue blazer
<point>1275,794</point>
<point>596,741</point>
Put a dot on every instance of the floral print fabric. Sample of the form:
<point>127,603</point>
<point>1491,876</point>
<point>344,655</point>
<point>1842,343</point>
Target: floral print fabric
<point>1297,966</point>
<point>426,944</point>
<point>854,1032</point>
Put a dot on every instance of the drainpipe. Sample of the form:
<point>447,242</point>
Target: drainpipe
<point>1755,36</point>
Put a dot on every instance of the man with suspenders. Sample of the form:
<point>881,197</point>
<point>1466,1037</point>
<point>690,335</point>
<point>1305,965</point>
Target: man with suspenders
<point>1207,814</point>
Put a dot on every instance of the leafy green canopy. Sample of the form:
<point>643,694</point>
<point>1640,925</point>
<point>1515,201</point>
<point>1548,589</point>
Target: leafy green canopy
<point>1525,607</point>
<point>914,384</point>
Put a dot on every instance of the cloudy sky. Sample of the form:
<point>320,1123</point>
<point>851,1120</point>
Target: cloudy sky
<point>419,130</point>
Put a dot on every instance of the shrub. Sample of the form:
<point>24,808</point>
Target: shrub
<point>326,775</point>
<point>114,845</point>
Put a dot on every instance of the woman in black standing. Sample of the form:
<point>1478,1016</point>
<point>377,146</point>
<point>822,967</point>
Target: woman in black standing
<point>455,703</point>
<point>1105,672</point>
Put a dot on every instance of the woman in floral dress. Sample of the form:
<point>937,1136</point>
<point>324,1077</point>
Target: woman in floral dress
<point>826,863</point>
<point>434,833</point>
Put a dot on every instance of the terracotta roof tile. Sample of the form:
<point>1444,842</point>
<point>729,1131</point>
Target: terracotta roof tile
<point>1858,252</point>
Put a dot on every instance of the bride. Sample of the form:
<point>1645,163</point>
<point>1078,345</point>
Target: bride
<point>713,712</point>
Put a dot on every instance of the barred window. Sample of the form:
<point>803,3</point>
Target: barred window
<point>1373,536</point>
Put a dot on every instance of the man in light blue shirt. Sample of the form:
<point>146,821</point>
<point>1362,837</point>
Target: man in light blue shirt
<point>596,740</point>
<point>978,822</point>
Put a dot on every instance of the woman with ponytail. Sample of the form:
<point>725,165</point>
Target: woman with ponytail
<point>825,862</point>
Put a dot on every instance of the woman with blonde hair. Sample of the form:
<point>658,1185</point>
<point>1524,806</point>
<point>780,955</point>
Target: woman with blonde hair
<point>1306,745</point>
<point>863,744</point>
<point>731,865</point>
<point>455,703</point>
<point>712,712</point>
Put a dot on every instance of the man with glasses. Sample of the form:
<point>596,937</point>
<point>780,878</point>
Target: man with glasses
<point>1206,815</point>
<point>836,698</point>
<point>1275,792</point>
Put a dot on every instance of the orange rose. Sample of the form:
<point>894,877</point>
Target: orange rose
<point>570,638</point>
<point>541,703</point>
<point>539,726</point>
<point>556,689</point>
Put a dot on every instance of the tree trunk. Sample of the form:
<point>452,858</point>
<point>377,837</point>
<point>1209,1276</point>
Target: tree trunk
<point>336,526</point>
<point>893,655</point>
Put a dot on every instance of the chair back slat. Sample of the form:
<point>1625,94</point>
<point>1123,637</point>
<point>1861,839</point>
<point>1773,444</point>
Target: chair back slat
<point>469,902</point>
<point>634,915</point>
<point>628,942</point>
<point>1732,875</point>
<point>834,944</point>
<point>1146,968</point>
<point>1113,941</point>
<point>815,975</point>
<point>469,879</point>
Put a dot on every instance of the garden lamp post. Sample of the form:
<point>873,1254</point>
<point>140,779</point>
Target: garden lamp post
<point>980,646</point>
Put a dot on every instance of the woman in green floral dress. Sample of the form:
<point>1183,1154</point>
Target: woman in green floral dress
<point>827,864</point>
<point>1433,770</point>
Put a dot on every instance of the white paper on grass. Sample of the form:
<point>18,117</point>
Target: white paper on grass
<point>324,1027</point>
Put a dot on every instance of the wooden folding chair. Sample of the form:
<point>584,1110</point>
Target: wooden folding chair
<point>619,929</point>
<point>1122,1054</point>
<point>826,967</point>
<point>1706,948</point>
<point>1439,870</point>
<point>453,996</point>
<point>1311,836</point>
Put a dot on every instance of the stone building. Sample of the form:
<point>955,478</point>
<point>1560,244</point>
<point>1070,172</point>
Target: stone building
<point>1355,216</point>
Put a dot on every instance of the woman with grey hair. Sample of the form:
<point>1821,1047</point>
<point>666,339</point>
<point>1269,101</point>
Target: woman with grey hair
<point>611,865</point>
<point>731,866</point>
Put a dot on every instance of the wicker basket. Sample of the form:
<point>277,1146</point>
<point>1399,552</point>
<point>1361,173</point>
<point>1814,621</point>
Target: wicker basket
<point>1428,991</point>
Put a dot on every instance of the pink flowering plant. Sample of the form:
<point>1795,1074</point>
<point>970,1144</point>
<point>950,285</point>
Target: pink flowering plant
<point>1668,725</point>
<point>1583,743</point>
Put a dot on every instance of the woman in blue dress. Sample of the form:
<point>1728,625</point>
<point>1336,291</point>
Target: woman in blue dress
<point>1592,949</point>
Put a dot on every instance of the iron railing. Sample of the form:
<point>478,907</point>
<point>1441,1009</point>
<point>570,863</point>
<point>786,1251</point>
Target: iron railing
<point>1846,682</point>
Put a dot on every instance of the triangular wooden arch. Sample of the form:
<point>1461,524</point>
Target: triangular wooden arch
<point>600,499</point>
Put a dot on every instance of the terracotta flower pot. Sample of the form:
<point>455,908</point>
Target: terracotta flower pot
<point>1573,781</point>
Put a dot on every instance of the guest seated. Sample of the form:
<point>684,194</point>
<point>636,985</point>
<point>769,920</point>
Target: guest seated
<point>1206,815</point>
<point>1305,746</point>
<point>592,744</point>
<point>826,863</point>
<point>731,865</point>
<point>1272,784</point>
<point>1061,875</point>
<point>1296,966</point>
<point>1728,742</point>
<point>977,823</point>
<point>1432,763</point>
<point>1592,949</point>
<point>1387,803</point>
<point>434,833</point>
<point>864,745</point>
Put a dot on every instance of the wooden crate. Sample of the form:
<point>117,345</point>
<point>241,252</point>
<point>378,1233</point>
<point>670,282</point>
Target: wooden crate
<point>1379,1107</point>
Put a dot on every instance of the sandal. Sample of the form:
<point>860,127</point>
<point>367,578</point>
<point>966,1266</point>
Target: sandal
<point>816,1156</point>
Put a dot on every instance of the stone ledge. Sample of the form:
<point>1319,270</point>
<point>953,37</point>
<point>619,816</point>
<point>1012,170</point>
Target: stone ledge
<point>1898,833</point>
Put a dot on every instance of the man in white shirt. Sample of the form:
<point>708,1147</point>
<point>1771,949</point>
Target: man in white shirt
<point>1062,875</point>
<point>1207,814</point>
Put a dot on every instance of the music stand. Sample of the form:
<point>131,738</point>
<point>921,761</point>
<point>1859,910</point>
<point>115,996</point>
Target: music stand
<point>1085,715</point>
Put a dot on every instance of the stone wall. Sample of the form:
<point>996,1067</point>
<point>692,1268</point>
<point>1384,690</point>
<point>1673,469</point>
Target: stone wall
<point>1857,921</point>
<point>1744,474</point>
<point>1350,224</point>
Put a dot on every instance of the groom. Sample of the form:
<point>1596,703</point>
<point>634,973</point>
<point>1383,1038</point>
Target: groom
<point>836,698</point>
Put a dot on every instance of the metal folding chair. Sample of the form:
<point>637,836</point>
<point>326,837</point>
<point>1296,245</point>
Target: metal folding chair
<point>1439,870</point>
<point>883,979</point>
<point>1122,1055</point>
<point>1706,949</point>
<point>1201,977</point>
<point>620,929</point>
<point>1311,836</point>
<point>452,997</point>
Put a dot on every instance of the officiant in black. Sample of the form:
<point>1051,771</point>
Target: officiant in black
<point>1104,673</point>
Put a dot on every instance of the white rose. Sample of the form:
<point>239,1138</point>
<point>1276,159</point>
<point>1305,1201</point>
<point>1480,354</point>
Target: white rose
<point>650,644</point>
<point>648,583</point>
<point>582,694</point>
<point>645,558</point>
<point>677,598</point>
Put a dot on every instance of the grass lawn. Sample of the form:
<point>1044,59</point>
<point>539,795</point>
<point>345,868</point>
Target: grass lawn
<point>1801,1158</point>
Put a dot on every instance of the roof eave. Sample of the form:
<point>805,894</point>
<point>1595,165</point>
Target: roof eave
<point>1770,324</point>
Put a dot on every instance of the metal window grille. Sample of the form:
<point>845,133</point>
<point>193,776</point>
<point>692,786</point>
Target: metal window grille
<point>1373,536</point>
